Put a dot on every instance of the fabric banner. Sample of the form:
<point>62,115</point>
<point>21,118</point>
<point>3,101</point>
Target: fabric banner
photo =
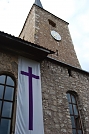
<point>29,115</point>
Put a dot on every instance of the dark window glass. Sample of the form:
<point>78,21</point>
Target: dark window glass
<point>77,122</point>
<point>5,126</point>
<point>1,91</point>
<point>9,93</point>
<point>71,109</point>
<point>79,132</point>
<point>75,109</point>
<point>68,96</point>
<point>52,23</point>
<point>0,106</point>
<point>73,122</point>
<point>7,108</point>
<point>9,81</point>
<point>7,88</point>
<point>69,72</point>
<point>2,79</point>
<point>74,114</point>
<point>73,99</point>
<point>74,131</point>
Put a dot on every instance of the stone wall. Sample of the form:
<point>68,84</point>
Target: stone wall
<point>38,30</point>
<point>64,49</point>
<point>55,83</point>
<point>9,65</point>
<point>28,30</point>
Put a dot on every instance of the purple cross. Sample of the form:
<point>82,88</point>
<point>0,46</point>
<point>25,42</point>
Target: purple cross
<point>30,76</point>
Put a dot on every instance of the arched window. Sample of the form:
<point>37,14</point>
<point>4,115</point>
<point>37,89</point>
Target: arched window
<point>74,113</point>
<point>7,90</point>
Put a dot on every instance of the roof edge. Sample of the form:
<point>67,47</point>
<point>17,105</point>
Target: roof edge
<point>52,14</point>
<point>67,65</point>
<point>19,40</point>
<point>45,11</point>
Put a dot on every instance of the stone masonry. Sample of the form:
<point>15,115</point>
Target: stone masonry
<point>55,83</point>
<point>56,80</point>
<point>38,30</point>
<point>9,65</point>
<point>29,27</point>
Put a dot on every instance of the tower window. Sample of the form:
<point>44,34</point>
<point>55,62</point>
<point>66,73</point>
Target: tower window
<point>56,52</point>
<point>69,72</point>
<point>7,89</point>
<point>74,114</point>
<point>52,23</point>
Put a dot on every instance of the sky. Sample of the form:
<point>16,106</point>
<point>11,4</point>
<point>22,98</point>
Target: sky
<point>13,14</point>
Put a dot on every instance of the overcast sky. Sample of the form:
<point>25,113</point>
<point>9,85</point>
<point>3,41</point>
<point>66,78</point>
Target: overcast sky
<point>14,12</point>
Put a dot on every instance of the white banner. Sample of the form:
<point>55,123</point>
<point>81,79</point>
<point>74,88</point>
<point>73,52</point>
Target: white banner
<point>29,115</point>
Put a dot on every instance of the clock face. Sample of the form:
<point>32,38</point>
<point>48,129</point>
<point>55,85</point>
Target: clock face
<point>56,35</point>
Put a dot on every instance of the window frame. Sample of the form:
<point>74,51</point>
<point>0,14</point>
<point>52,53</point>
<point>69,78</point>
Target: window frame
<point>6,100</point>
<point>77,126</point>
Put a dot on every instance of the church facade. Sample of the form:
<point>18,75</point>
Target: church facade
<point>42,62</point>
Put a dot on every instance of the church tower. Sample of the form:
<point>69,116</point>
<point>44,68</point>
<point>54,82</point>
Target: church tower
<point>42,92</point>
<point>45,29</point>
